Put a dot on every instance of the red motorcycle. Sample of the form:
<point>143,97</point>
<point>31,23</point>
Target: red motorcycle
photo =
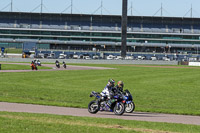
<point>33,66</point>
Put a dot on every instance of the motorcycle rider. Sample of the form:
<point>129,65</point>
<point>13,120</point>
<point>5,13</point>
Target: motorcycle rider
<point>116,90</point>
<point>57,61</point>
<point>33,65</point>
<point>106,91</point>
<point>57,64</point>
<point>120,86</point>
<point>64,65</point>
<point>38,62</point>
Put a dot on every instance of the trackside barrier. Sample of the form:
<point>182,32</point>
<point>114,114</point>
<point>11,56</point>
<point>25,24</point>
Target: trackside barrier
<point>183,63</point>
<point>194,64</point>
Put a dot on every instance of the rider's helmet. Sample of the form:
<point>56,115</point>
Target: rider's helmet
<point>111,82</point>
<point>120,84</point>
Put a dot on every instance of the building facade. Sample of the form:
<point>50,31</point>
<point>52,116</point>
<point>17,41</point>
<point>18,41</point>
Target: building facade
<point>100,32</point>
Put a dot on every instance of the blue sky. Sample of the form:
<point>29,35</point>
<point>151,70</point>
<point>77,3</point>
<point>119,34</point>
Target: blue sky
<point>175,8</point>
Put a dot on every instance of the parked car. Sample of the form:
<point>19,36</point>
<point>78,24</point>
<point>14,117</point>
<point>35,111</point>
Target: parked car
<point>153,58</point>
<point>110,57</point>
<point>140,58</point>
<point>166,59</point>
<point>118,58</point>
<point>95,57</point>
<point>51,56</point>
<point>75,56</point>
<point>87,57</point>
<point>129,58</point>
<point>62,56</point>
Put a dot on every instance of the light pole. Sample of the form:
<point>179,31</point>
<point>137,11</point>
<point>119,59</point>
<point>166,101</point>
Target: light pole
<point>41,6</point>
<point>124,28</point>
<point>11,6</point>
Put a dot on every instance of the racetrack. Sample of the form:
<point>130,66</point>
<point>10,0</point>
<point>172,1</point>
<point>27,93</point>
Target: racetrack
<point>72,67</point>
<point>69,67</point>
<point>140,116</point>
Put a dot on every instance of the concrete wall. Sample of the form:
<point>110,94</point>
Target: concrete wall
<point>93,61</point>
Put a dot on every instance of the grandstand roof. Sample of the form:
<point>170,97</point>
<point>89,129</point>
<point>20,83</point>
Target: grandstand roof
<point>109,18</point>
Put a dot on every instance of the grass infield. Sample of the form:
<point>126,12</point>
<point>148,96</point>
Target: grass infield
<point>166,90</point>
<point>13,50</point>
<point>19,67</point>
<point>43,123</point>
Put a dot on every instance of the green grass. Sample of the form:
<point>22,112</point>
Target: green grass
<point>13,50</point>
<point>19,67</point>
<point>43,123</point>
<point>166,90</point>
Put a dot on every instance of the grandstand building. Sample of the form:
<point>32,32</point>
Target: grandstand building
<point>100,32</point>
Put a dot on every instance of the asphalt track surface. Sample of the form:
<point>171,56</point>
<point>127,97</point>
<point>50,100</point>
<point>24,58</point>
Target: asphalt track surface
<point>140,116</point>
<point>69,67</point>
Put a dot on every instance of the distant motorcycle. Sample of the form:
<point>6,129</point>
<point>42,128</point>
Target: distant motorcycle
<point>39,63</point>
<point>33,66</point>
<point>64,65</point>
<point>57,65</point>
<point>99,104</point>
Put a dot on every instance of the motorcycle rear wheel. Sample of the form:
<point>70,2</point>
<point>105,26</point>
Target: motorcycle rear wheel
<point>119,108</point>
<point>129,108</point>
<point>93,107</point>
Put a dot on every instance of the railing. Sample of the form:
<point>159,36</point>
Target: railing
<point>132,53</point>
<point>101,28</point>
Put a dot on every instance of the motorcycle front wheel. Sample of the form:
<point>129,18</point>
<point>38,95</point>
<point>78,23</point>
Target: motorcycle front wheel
<point>93,107</point>
<point>130,107</point>
<point>119,108</point>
